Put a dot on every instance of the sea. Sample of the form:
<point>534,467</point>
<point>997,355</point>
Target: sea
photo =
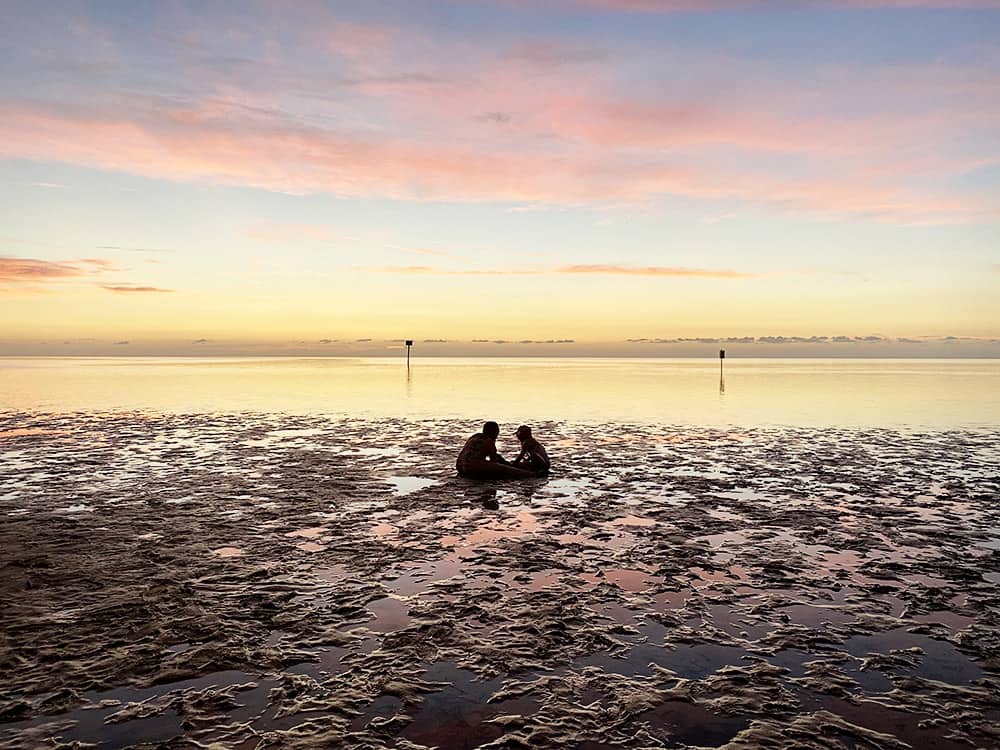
<point>894,393</point>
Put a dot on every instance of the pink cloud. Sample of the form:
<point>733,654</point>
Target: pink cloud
<point>285,155</point>
<point>33,270</point>
<point>595,269</point>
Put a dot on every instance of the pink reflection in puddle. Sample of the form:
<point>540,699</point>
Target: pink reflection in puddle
<point>708,577</point>
<point>533,581</point>
<point>931,582</point>
<point>385,530</point>
<point>847,560</point>
<point>228,552</point>
<point>632,521</point>
<point>571,538</point>
<point>623,578</point>
<point>671,599</point>
<point>617,613</point>
<point>724,515</point>
<point>954,622</point>
<point>725,539</point>
<point>419,578</point>
<point>311,547</point>
<point>390,614</point>
<point>523,523</point>
<point>313,532</point>
<point>331,573</point>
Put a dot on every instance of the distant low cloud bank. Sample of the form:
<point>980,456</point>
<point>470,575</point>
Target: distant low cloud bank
<point>873,339</point>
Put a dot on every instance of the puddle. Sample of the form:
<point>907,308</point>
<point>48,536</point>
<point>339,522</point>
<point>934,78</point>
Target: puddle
<point>627,580</point>
<point>815,616</point>
<point>406,485</point>
<point>633,521</point>
<point>690,662</point>
<point>940,660</point>
<point>457,716</point>
<point>228,552</point>
<point>311,547</point>
<point>91,722</point>
<point>313,532</point>
<point>682,723</point>
<point>391,614</point>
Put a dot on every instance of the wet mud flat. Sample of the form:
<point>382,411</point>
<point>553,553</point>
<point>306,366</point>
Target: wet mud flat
<point>264,581</point>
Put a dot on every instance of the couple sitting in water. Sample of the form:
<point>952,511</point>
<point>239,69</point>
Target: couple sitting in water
<point>479,458</point>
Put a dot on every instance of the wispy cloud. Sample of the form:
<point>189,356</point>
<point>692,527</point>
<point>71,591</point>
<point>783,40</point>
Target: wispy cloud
<point>133,249</point>
<point>32,269</point>
<point>613,270</point>
<point>595,269</point>
<point>129,288</point>
<point>613,150</point>
<point>703,6</point>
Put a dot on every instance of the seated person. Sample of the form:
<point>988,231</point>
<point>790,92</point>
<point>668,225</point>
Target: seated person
<point>533,456</point>
<point>479,458</point>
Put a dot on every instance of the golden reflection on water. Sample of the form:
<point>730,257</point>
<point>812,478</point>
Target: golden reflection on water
<point>807,392</point>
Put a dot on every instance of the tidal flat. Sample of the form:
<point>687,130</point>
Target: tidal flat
<point>262,580</point>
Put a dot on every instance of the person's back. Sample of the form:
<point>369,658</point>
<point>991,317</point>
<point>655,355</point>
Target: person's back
<point>477,448</point>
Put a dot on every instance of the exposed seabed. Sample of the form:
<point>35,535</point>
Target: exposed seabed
<point>267,581</point>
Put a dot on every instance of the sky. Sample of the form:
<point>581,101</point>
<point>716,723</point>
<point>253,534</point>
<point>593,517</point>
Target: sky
<point>487,177</point>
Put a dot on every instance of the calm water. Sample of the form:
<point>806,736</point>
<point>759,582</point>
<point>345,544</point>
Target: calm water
<point>806,392</point>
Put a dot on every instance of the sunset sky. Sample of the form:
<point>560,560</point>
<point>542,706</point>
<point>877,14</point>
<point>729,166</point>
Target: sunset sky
<point>600,176</point>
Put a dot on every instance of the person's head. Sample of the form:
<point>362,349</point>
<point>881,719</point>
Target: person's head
<point>491,430</point>
<point>523,433</point>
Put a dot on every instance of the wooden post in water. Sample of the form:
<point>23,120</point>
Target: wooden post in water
<point>409,343</point>
<point>722,381</point>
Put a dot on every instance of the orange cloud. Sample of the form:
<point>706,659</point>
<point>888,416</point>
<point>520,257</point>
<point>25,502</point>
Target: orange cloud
<point>654,271</point>
<point>127,288</point>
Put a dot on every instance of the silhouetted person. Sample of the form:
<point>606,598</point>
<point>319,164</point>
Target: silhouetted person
<point>479,458</point>
<point>532,456</point>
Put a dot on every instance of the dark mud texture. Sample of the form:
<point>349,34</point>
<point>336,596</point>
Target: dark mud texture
<point>263,581</point>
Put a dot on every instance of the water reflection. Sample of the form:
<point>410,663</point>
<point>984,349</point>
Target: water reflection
<point>806,392</point>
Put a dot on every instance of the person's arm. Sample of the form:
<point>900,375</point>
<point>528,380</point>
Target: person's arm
<point>495,457</point>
